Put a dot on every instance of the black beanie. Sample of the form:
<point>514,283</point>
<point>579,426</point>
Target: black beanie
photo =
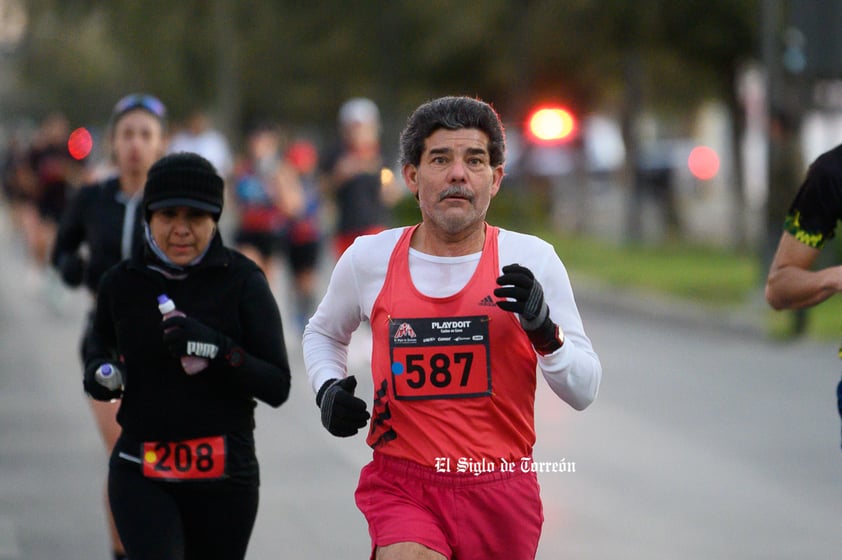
<point>183,179</point>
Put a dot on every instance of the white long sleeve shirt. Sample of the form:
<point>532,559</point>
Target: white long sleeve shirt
<point>573,371</point>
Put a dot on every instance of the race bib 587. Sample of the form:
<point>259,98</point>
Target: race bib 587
<point>440,358</point>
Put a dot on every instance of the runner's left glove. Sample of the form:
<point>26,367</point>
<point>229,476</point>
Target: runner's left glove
<point>520,285</point>
<point>343,414</point>
<point>185,336</point>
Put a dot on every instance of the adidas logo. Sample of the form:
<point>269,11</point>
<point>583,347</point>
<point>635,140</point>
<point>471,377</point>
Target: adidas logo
<point>487,301</point>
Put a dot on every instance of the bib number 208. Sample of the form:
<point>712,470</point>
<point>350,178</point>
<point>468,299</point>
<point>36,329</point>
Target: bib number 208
<point>195,459</point>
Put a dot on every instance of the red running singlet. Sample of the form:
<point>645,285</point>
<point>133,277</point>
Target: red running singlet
<point>454,377</point>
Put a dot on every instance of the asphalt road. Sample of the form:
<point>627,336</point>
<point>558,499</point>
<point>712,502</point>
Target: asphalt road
<point>704,442</point>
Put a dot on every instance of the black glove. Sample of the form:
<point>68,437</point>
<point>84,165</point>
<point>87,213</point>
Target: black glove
<point>343,414</point>
<point>185,336</point>
<point>96,390</point>
<point>72,269</point>
<point>533,312</point>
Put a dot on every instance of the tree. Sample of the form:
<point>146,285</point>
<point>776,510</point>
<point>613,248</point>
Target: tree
<point>297,61</point>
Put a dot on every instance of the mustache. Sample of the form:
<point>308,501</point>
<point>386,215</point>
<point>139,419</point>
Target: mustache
<point>458,191</point>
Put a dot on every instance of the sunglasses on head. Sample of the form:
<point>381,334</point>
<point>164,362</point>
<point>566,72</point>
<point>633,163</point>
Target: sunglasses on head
<point>140,101</point>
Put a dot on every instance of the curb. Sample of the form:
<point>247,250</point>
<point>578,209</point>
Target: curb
<point>747,319</point>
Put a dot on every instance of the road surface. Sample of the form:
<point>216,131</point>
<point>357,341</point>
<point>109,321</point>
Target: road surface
<point>703,443</point>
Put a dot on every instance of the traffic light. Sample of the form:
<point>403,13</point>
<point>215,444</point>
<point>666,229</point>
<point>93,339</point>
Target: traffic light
<point>551,124</point>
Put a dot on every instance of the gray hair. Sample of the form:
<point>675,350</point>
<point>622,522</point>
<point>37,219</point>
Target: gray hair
<point>451,113</point>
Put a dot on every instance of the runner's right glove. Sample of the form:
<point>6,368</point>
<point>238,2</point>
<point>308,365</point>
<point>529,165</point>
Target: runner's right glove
<point>343,414</point>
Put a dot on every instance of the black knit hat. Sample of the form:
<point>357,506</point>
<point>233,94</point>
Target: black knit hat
<point>183,179</point>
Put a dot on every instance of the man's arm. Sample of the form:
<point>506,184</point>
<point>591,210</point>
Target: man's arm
<point>328,332</point>
<point>325,346</point>
<point>792,284</point>
<point>573,371</point>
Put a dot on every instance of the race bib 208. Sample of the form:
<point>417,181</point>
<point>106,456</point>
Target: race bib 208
<point>194,459</point>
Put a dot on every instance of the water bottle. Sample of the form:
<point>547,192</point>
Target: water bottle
<point>109,377</point>
<point>190,364</point>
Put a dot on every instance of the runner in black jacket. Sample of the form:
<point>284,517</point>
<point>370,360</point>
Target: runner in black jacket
<point>96,217</point>
<point>104,223</point>
<point>105,216</point>
<point>183,476</point>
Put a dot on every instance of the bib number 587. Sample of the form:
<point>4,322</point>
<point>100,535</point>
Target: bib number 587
<point>438,371</point>
<point>440,374</point>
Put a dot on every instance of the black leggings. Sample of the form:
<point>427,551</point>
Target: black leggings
<point>181,521</point>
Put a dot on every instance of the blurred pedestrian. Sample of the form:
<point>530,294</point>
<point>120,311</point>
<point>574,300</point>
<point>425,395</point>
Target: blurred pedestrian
<point>199,136</point>
<point>103,225</point>
<point>462,314</point>
<point>264,202</point>
<point>183,476</point>
<point>353,174</point>
<point>48,180</point>
<point>12,176</point>
<point>811,221</point>
<point>304,235</point>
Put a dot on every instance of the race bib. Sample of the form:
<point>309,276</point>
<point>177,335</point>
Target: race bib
<point>440,358</point>
<point>193,459</point>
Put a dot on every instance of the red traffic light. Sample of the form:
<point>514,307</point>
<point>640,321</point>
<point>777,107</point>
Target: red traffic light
<point>551,125</point>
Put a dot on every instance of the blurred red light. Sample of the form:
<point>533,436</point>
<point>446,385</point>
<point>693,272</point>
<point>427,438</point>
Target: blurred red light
<point>80,143</point>
<point>703,163</point>
<point>551,125</point>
